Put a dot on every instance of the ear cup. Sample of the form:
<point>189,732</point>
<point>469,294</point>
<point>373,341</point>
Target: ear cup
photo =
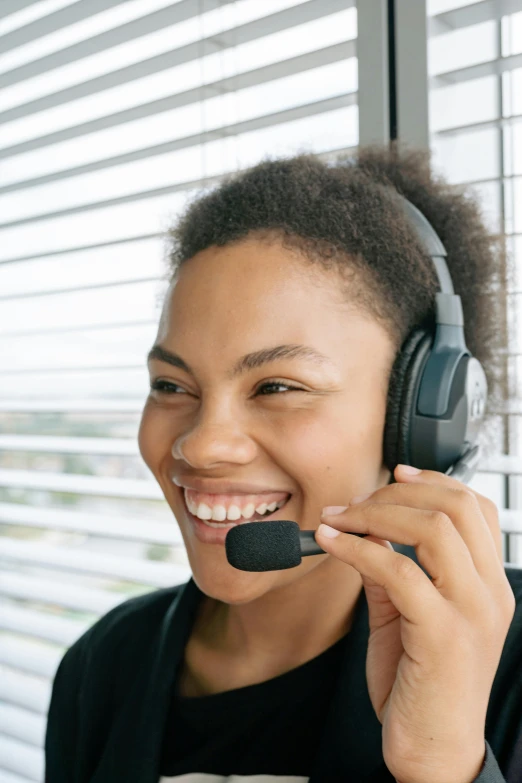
<point>401,399</point>
<point>402,396</point>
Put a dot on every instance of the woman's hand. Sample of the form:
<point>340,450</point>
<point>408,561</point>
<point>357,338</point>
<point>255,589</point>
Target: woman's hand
<point>435,642</point>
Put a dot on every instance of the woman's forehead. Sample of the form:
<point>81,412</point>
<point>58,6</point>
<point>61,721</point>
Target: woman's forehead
<point>258,270</point>
<point>216,342</point>
<point>256,294</point>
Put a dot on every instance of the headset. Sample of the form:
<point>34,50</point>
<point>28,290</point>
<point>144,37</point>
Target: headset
<point>436,401</point>
<point>438,391</point>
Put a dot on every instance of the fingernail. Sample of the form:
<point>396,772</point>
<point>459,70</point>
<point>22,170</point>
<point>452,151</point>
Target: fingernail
<point>409,470</point>
<point>331,510</point>
<point>327,531</point>
<point>360,498</point>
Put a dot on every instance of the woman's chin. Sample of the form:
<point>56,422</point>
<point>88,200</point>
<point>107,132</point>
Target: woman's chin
<point>215,577</point>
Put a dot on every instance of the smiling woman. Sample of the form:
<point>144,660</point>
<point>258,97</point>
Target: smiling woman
<point>291,289</point>
<point>268,416</point>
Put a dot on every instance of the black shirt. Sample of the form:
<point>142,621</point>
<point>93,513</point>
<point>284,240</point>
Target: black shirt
<point>268,728</point>
<point>113,707</point>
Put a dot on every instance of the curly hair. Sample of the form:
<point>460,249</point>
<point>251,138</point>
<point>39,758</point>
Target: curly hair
<point>344,215</point>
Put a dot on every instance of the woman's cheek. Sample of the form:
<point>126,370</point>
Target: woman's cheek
<point>331,455</point>
<point>315,449</point>
<point>153,437</point>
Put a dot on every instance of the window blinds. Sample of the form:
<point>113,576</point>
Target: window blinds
<point>112,115</point>
<point>475,118</point>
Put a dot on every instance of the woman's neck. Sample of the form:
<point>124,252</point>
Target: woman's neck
<point>233,646</point>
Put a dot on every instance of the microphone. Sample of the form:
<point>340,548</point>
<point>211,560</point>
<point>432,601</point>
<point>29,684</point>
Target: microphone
<point>279,544</point>
<point>270,546</point>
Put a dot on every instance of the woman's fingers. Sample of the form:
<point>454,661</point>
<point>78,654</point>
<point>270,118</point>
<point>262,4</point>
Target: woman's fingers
<point>439,547</point>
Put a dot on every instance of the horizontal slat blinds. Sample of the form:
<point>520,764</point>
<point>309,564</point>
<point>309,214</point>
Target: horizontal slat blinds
<point>475,114</point>
<point>113,113</point>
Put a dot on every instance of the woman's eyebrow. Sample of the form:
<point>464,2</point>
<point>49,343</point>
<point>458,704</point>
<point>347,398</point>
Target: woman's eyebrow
<point>249,361</point>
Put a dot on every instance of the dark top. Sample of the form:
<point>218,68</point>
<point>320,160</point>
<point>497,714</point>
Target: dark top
<point>281,719</point>
<point>113,707</point>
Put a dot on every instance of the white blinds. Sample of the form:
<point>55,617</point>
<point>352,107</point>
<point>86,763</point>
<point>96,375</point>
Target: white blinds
<point>475,114</point>
<point>111,114</point>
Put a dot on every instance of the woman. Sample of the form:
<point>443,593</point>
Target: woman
<point>291,288</point>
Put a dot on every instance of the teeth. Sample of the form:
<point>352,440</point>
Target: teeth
<point>219,513</point>
<point>204,511</point>
<point>248,511</point>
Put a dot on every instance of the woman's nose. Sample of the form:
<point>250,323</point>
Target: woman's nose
<point>204,446</point>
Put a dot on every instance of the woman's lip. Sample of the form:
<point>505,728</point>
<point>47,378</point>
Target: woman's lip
<point>224,487</point>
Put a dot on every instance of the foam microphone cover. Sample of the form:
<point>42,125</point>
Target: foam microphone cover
<point>264,546</point>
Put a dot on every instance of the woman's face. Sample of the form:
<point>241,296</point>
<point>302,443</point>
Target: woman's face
<point>321,441</point>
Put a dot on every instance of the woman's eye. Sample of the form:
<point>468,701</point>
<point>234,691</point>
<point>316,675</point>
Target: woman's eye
<point>159,386</point>
<point>277,383</point>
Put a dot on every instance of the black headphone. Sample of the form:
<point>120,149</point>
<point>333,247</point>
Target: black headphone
<point>438,390</point>
<point>436,401</point>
